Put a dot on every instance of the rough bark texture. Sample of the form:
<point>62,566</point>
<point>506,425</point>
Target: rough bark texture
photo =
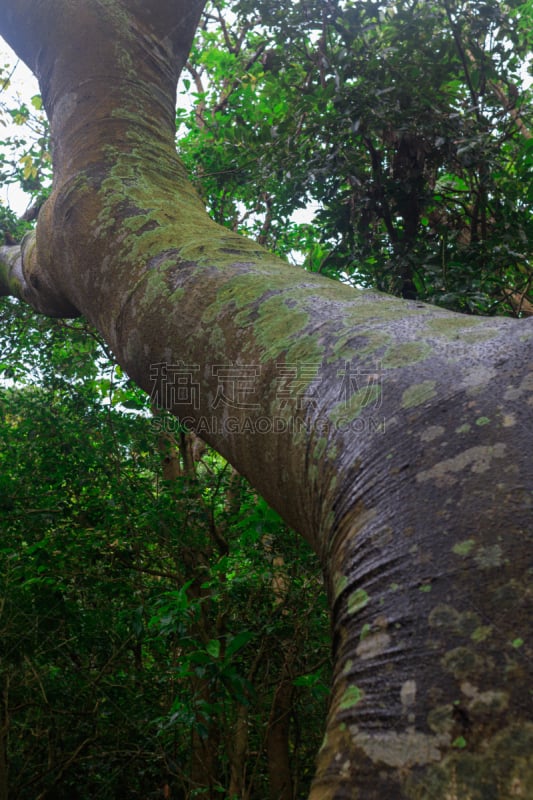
<point>401,450</point>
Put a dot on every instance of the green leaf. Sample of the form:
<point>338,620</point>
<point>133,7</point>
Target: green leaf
<point>238,642</point>
<point>213,648</point>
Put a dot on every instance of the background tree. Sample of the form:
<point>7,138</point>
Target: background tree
<point>124,240</point>
<point>406,124</point>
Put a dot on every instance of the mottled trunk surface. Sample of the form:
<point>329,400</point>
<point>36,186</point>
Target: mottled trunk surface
<point>394,436</point>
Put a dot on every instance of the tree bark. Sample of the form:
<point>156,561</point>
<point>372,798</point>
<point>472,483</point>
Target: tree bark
<point>394,436</point>
<point>238,754</point>
<point>4,737</point>
<point>278,731</point>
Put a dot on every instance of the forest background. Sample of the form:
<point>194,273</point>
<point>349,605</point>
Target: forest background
<point>162,633</point>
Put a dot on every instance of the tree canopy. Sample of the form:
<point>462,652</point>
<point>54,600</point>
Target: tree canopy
<point>407,124</point>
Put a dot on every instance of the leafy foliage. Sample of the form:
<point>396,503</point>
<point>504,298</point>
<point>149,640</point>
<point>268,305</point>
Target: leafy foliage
<point>146,607</point>
<point>25,159</point>
<point>407,125</point>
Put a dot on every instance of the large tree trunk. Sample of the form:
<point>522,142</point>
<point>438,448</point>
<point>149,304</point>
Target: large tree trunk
<point>394,436</point>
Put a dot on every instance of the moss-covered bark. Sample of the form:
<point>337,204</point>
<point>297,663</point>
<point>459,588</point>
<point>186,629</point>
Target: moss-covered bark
<point>394,436</point>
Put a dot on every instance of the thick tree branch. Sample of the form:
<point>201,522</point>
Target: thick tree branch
<point>21,276</point>
<point>12,282</point>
